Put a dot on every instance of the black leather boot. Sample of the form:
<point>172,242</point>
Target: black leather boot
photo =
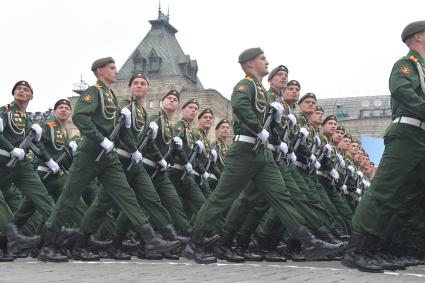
<point>48,251</point>
<point>195,250</point>
<point>374,249</point>
<point>153,243</point>
<point>313,247</point>
<point>356,255</point>
<point>4,255</point>
<point>169,233</point>
<point>242,248</point>
<point>115,251</point>
<point>224,249</point>
<point>16,241</point>
<point>271,254</point>
<point>326,235</point>
<point>81,251</point>
<point>338,234</point>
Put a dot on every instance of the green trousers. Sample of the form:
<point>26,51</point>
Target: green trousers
<point>402,163</point>
<point>242,166</point>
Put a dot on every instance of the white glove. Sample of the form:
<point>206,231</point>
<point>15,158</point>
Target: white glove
<point>292,120</point>
<point>292,157</point>
<point>304,133</point>
<point>18,153</point>
<point>178,142</point>
<point>359,199</point>
<point>358,192</point>
<point>163,164</point>
<point>37,129</point>
<point>73,146</point>
<point>277,114</point>
<point>52,166</point>
<point>359,173</point>
<point>214,155</point>
<point>1,125</point>
<point>334,174</point>
<point>317,165</point>
<point>188,168</point>
<point>200,146</point>
<point>366,184</point>
<point>351,169</point>
<point>263,135</point>
<point>107,145</point>
<point>312,159</point>
<point>341,160</point>
<point>205,176</point>
<point>328,150</point>
<point>136,156</point>
<point>127,116</point>
<point>154,127</point>
<point>283,147</point>
<point>344,189</point>
<point>318,142</point>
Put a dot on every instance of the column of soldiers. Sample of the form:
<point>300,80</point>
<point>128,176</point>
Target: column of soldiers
<point>133,184</point>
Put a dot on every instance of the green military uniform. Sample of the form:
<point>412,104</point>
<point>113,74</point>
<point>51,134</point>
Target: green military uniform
<point>95,115</point>
<point>222,148</point>
<point>17,125</point>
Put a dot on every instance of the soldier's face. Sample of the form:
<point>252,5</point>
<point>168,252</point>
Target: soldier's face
<point>170,103</point>
<point>344,144</point>
<point>139,87</point>
<point>353,148</point>
<point>190,112</point>
<point>108,74</point>
<point>206,121</point>
<point>279,80</point>
<point>224,130</point>
<point>292,94</point>
<point>329,127</point>
<point>337,136</point>
<point>317,117</point>
<point>308,105</point>
<point>63,112</point>
<point>22,94</point>
<point>260,65</point>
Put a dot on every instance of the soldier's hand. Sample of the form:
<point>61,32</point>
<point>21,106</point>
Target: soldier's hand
<point>366,183</point>
<point>136,156</point>
<point>344,189</point>
<point>341,159</point>
<point>304,133</point>
<point>178,142</point>
<point>163,164</point>
<point>199,147</point>
<point>188,168</point>
<point>127,116</point>
<point>18,153</point>
<point>37,130</point>
<point>359,173</point>
<point>334,174</point>
<point>328,150</point>
<point>73,146</point>
<point>292,120</point>
<point>318,142</point>
<point>1,125</point>
<point>214,155</point>
<point>312,159</point>
<point>358,192</point>
<point>292,157</point>
<point>277,114</point>
<point>107,145</point>
<point>317,165</point>
<point>263,135</point>
<point>283,147</point>
<point>351,169</point>
<point>53,166</point>
<point>154,127</point>
<point>205,176</point>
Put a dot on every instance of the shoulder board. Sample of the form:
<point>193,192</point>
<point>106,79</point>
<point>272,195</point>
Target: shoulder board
<point>97,86</point>
<point>51,124</point>
<point>248,78</point>
<point>5,107</point>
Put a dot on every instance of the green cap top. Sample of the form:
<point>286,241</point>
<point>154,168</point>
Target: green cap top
<point>62,101</point>
<point>328,118</point>
<point>102,62</point>
<point>307,95</point>
<point>411,29</point>
<point>276,70</point>
<point>222,121</point>
<point>172,92</point>
<point>319,109</point>
<point>293,82</point>
<point>340,128</point>
<point>205,111</point>
<point>194,101</point>
<point>348,136</point>
<point>22,83</point>
<point>138,75</point>
<point>249,54</point>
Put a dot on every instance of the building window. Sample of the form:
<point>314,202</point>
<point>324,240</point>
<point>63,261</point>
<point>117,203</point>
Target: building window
<point>150,104</point>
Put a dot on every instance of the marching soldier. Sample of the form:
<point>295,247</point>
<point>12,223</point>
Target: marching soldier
<point>222,132</point>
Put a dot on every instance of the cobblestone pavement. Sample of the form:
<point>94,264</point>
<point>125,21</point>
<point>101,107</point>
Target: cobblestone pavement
<point>105,271</point>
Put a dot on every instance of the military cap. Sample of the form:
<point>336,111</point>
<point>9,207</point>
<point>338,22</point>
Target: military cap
<point>205,111</point>
<point>194,101</point>
<point>222,121</point>
<point>353,140</point>
<point>340,128</point>
<point>276,70</point>
<point>62,101</point>
<point>138,75</point>
<point>348,136</point>
<point>172,92</point>
<point>293,82</point>
<point>371,163</point>
<point>328,118</point>
<point>249,54</point>
<point>319,109</point>
<point>22,83</point>
<point>102,62</point>
<point>411,29</point>
<point>307,95</point>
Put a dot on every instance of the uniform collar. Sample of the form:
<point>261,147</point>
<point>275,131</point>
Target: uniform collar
<point>417,55</point>
<point>275,92</point>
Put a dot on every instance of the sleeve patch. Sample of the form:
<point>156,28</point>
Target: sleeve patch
<point>87,98</point>
<point>405,70</point>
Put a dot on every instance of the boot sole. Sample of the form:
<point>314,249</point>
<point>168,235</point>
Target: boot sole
<point>350,265</point>
<point>167,248</point>
<point>27,245</point>
<point>312,254</point>
<point>52,260</point>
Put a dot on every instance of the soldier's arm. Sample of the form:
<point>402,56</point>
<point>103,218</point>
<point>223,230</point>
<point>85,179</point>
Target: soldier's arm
<point>4,143</point>
<point>84,110</point>
<point>404,80</point>
<point>178,130</point>
<point>44,142</point>
<point>152,146</point>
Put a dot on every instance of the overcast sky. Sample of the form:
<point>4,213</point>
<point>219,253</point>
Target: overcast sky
<point>334,48</point>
